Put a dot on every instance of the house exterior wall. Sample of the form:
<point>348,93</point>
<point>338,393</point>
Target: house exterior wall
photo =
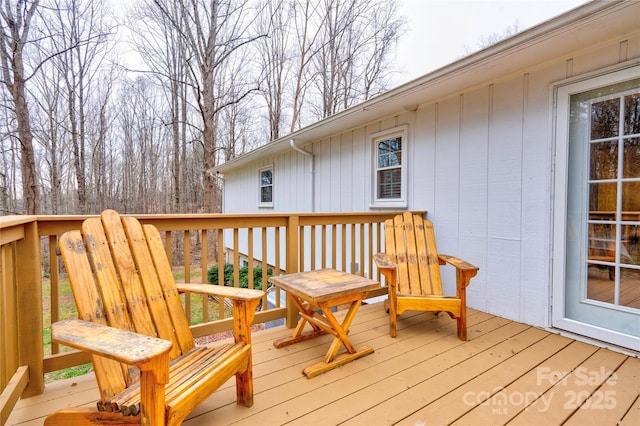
<point>480,161</point>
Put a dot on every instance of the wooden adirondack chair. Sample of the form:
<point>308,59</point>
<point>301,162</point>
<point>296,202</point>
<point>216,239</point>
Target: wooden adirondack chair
<point>148,369</point>
<point>411,265</point>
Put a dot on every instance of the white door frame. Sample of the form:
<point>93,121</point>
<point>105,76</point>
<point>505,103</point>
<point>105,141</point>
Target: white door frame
<point>562,94</point>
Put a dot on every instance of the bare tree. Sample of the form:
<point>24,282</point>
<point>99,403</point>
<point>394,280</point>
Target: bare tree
<point>78,38</point>
<point>491,39</point>
<point>357,39</point>
<point>274,60</point>
<point>306,35</point>
<point>16,22</point>
<point>49,125</point>
<point>212,32</point>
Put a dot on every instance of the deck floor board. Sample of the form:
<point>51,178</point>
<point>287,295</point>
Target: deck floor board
<point>507,372</point>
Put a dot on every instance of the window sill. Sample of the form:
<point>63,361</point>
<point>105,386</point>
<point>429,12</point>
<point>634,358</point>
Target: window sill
<point>388,205</point>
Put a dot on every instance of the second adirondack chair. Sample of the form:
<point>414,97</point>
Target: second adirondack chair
<point>148,369</point>
<point>411,265</point>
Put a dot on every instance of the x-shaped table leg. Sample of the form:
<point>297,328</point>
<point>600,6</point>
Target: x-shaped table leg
<point>326,323</point>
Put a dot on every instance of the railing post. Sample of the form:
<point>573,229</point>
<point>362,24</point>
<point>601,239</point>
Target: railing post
<point>292,265</point>
<point>29,297</point>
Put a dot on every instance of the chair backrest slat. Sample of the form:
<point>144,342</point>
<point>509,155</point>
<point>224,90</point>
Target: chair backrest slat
<point>410,242</point>
<point>129,279</point>
<point>169,290</point>
<point>398,236</point>
<point>429,261</point>
<point>150,281</point>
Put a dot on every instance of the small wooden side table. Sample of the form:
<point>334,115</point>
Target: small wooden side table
<point>321,290</point>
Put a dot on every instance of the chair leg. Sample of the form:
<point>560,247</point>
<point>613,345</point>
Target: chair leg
<point>393,314</point>
<point>244,387</point>
<point>462,324</point>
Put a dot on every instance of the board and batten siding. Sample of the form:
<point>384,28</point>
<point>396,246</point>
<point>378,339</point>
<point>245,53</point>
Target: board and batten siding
<point>480,161</point>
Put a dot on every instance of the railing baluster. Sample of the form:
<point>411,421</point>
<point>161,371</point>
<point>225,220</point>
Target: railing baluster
<point>361,227</point>
<point>352,227</point>
<point>250,258</point>
<point>265,268</point>
<point>236,258</point>
<point>187,256</point>
<point>54,288</point>
<point>203,272</point>
<point>343,248</point>
<point>334,233</point>
<point>276,248</point>
<point>301,248</point>
<point>313,247</point>
<point>221,262</point>
<point>324,246</point>
<point>370,241</point>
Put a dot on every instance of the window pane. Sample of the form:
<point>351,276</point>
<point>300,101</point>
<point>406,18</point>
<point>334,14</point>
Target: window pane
<point>390,152</point>
<point>266,194</point>
<point>630,245</point>
<point>630,287</point>
<point>604,160</point>
<point>602,197</point>
<point>630,197</point>
<point>600,284</point>
<point>632,114</point>
<point>602,242</point>
<point>605,119</point>
<point>389,183</point>
<point>266,177</point>
<point>631,159</point>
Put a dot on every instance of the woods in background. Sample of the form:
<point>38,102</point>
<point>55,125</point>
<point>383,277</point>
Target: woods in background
<point>127,104</point>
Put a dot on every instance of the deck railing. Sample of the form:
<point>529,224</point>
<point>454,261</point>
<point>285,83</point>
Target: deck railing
<point>275,243</point>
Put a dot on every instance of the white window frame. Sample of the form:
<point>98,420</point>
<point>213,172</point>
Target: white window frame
<point>261,203</point>
<point>374,139</point>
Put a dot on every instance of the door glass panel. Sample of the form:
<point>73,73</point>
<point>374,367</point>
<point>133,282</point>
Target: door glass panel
<point>632,114</point>
<point>631,196</point>
<point>605,119</point>
<point>629,246</point>
<point>630,288</point>
<point>631,159</point>
<point>602,197</point>
<point>604,160</point>
<point>600,283</point>
<point>602,242</point>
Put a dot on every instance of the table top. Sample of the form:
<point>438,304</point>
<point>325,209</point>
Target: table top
<point>323,284</point>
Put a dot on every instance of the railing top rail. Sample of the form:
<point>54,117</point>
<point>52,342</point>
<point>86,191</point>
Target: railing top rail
<point>58,224</point>
<point>14,220</point>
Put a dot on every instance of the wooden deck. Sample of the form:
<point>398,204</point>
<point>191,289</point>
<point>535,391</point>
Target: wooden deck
<point>507,373</point>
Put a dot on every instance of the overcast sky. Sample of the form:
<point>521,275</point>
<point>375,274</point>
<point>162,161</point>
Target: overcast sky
<point>439,30</point>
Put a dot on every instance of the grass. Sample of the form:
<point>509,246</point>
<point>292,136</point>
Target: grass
<point>67,309</point>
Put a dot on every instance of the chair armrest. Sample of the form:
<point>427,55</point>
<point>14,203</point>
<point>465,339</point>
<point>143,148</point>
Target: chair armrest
<point>464,271</point>
<point>123,346</point>
<point>457,263</point>
<point>233,293</point>
<point>245,302</point>
<point>383,261</point>
<point>387,267</point>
